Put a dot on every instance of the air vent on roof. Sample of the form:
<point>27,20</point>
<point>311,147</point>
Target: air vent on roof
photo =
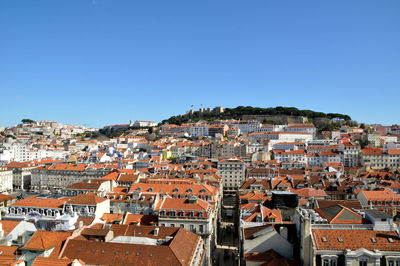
<point>137,253</point>
<point>116,252</point>
<point>373,240</point>
<point>127,253</point>
<point>151,254</point>
<point>102,251</point>
<point>390,240</point>
<point>93,250</point>
<point>324,239</point>
<point>340,240</point>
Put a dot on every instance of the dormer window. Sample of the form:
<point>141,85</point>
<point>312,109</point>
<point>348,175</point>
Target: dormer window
<point>202,190</point>
<point>176,189</point>
<point>190,190</point>
<point>150,189</point>
<point>172,213</point>
<point>181,213</point>
<point>191,214</point>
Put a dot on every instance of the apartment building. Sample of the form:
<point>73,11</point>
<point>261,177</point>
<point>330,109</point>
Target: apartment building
<point>232,171</point>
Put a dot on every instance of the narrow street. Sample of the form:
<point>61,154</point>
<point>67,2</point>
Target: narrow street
<point>226,252</point>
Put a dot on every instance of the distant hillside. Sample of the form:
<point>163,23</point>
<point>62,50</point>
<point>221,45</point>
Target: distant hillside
<point>270,115</point>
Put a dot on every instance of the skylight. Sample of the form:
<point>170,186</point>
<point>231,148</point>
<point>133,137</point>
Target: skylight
<point>340,240</point>
<point>373,240</point>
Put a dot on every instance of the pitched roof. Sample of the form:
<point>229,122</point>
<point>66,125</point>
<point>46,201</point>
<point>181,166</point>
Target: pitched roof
<point>86,199</point>
<point>84,186</point>
<point>43,240</point>
<point>179,251</point>
<point>270,258</point>
<point>380,195</point>
<point>355,239</point>
<point>42,261</point>
<point>351,204</point>
<point>40,202</point>
<point>183,204</point>
<point>309,192</point>
<point>4,197</point>
<point>8,226</point>
<point>340,215</point>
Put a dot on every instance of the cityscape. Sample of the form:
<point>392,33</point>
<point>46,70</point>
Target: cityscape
<point>203,192</point>
<point>200,133</point>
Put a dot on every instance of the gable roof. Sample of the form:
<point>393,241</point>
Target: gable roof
<point>44,240</point>
<point>338,214</point>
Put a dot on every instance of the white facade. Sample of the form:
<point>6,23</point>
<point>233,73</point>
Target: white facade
<point>6,180</point>
<point>232,171</point>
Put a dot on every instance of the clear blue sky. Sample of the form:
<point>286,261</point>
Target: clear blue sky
<point>99,62</point>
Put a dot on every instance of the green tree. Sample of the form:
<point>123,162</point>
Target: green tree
<point>26,120</point>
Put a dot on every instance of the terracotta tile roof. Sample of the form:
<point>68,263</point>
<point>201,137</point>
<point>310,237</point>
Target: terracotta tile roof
<point>178,252</point>
<point>309,192</point>
<point>351,204</point>
<point>372,151</point>
<point>111,176</point>
<point>42,261</point>
<point>4,197</point>
<point>86,221</point>
<point>8,250</point>
<point>269,258</point>
<point>381,195</point>
<point>128,178</point>
<point>250,231</point>
<point>341,215</point>
<point>41,202</point>
<point>183,204</point>
<point>19,165</point>
<point>44,240</point>
<point>8,226</point>
<point>86,199</point>
<point>84,186</point>
<point>10,260</point>
<point>67,167</point>
<point>140,218</point>
<point>110,218</point>
<point>355,239</point>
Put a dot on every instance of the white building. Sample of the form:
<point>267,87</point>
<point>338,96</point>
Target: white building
<point>232,171</point>
<point>6,179</point>
<point>139,123</point>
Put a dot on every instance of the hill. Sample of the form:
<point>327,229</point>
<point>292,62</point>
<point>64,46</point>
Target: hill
<point>272,115</point>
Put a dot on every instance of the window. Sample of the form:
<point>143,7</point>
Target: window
<point>172,225</point>
<point>362,262</point>
<point>191,227</point>
<point>329,262</point>
<point>182,225</point>
<point>201,228</point>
